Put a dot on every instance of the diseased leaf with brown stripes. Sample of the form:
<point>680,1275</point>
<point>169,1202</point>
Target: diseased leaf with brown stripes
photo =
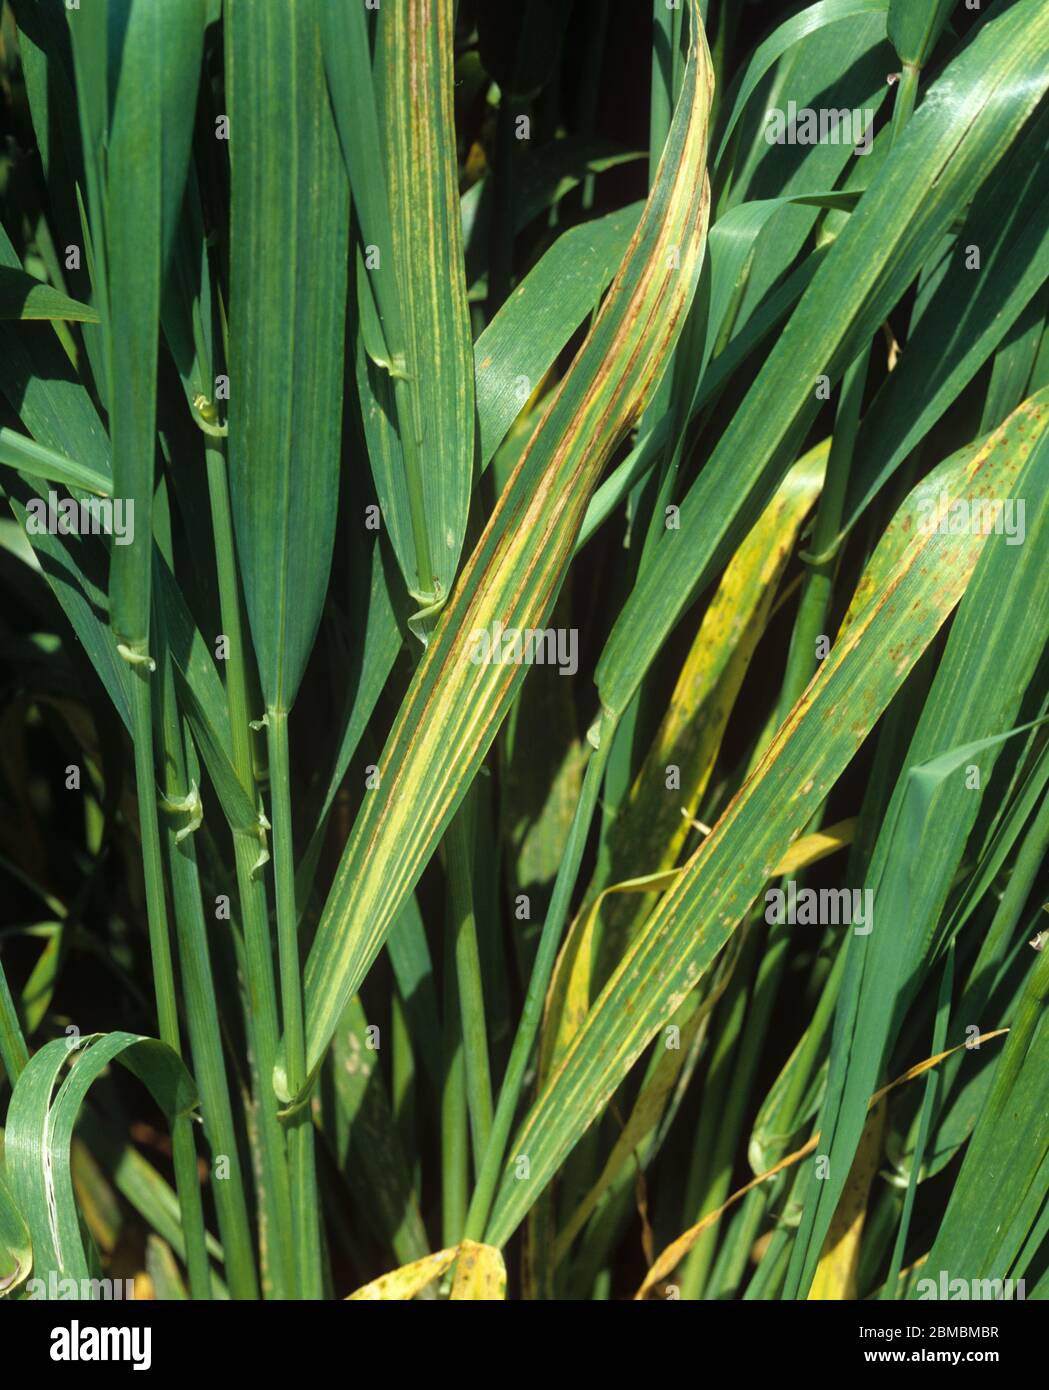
<point>816,742</point>
<point>414,81</point>
<point>455,703</point>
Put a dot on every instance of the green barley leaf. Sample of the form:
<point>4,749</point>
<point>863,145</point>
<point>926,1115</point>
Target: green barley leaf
<point>348,66</point>
<point>915,25</point>
<point>38,461</point>
<point>289,251</point>
<point>837,69</point>
<point>155,71</point>
<point>1005,1174</point>
<point>44,391</point>
<point>23,297</point>
<point>526,333</point>
<point>794,31</point>
<point>965,316</point>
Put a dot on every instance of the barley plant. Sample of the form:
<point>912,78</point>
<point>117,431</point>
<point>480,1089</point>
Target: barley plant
<point>524,728</point>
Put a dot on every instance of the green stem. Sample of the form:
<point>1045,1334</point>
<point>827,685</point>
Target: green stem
<point>728,21</point>
<point>724,1096</point>
<point>932,1081</point>
<point>770,1273</point>
<point>459,844</point>
<point>261,1023</point>
<point>532,1013</point>
<point>302,1167</point>
<point>184,1149</point>
<point>454,1145</point>
<point>745,1228</point>
<point>819,582</point>
<point>906,96</point>
<point>1028,1015</point>
<point>403,1095</point>
<point>205,1036</point>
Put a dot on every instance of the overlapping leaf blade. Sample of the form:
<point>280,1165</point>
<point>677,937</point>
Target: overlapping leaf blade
<point>1004,617</point>
<point>454,706</point>
<point>693,921</point>
<point>966,124</point>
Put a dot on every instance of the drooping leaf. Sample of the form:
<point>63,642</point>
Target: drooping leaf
<point>40,1123</point>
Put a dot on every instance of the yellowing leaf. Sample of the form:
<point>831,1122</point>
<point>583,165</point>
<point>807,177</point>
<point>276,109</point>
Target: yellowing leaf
<point>479,1273</point>
<point>406,1282</point>
<point>568,1000</point>
<point>836,1272</point>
